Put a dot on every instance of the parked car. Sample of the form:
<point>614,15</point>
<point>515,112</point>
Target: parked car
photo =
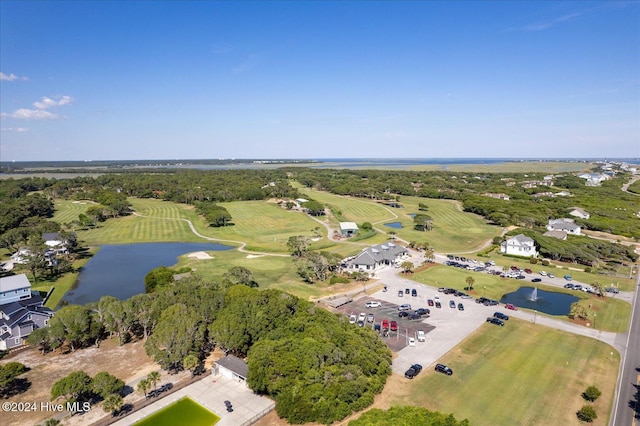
<point>414,316</point>
<point>452,304</point>
<point>568,285</point>
<point>543,273</point>
<point>460,307</point>
<point>438,304</point>
<point>412,341</point>
<point>491,302</point>
<point>373,304</point>
<point>495,321</point>
<point>370,318</point>
<point>360,323</point>
<point>362,317</point>
<point>481,299</point>
<point>393,326</point>
<point>353,319</point>
<point>414,292</point>
<point>405,307</point>
<point>423,311</point>
<point>400,293</point>
<point>406,290</point>
<point>403,314</point>
<point>385,324</point>
<point>377,328</point>
<point>510,306</point>
<point>430,302</point>
<point>613,290</point>
<point>421,336</point>
<point>413,371</point>
<point>568,277</point>
<point>527,270</point>
<point>550,275</point>
<point>536,280</point>
<point>501,316</point>
<point>444,369</point>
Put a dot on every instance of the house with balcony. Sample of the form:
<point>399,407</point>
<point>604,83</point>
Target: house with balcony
<point>566,225</point>
<point>520,245</point>
<point>377,256</point>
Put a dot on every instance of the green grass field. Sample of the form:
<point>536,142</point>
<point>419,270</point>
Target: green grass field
<point>67,211</point>
<point>612,314</point>
<point>519,374</point>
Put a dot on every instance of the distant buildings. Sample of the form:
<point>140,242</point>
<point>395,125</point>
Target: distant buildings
<point>566,225</point>
<point>594,179</point>
<point>376,256</point>
<point>500,196</point>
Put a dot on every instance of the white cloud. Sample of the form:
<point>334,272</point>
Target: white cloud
<point>48,102</point>
<point>11,77</point>
<point>30,114</point>
<point>15,129</point>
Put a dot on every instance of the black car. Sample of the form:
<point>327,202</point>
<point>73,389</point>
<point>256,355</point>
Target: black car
<point>536,280</point>
<point>501,316</point>
<point>413,371</point>
<point>568,285</point>
<point>423,311</point>
<point>490,302</point>
<point>481,299</point>
<point>438,304</point>
<point>414,292</point>
<point>403,314</point>
<point>495,321</point>
<point>460,307</point>
<point>414,316</point>
<point>444,369</point>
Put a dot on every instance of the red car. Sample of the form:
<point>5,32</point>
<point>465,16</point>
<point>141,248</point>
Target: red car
<point>510,306</point>
<point>430,302</point>
<point>394,326</point>
<point>385,324</point>
<point>528,271</point>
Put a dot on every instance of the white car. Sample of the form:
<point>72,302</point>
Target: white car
<point>373,304</point>
<point>362,317</point>
<point>370,318</point>
<point>404,307</point>
<point>543,273</point>
<point>421,336</point>
<point>550,275</point>
<point>412,341</point>
<point>353,319</point>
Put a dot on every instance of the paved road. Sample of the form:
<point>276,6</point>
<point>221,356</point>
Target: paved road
<point>624,413</point>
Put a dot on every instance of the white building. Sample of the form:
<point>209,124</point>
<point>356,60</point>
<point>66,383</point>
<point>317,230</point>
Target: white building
<point>578,212</point>
<point>566,225</point>
<point>520,245</point>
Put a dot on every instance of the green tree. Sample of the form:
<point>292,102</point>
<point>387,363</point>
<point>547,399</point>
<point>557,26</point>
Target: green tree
<point>587,413</point>
<point>298,245</point>
<point>191,363</point>
<point>470,282</point>
<point>314,208</point>
<point>429,254</point>
<point>366,226</point>
<point>591,393</point>
<point>112,403</point>
<point>407,267</point>
<point>74,387</point>
<point>104,384</point>
<point>8,374</point>
<point>422,222</point>
<point>157,278</point>
<point>406,415</point>
<point>41,339</point>
<point>144,386</point>
<point>240,275</point>
<point>153,378</point>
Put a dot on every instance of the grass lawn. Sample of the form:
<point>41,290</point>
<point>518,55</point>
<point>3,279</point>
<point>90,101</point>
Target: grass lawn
<point>454,231</point>
<point>518,374</point>
<point>612,314</point>
<point>66,211</point>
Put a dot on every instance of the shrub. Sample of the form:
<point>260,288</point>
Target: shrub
<point>367,226</point>
<point>592,393</point>
<point>545,262</point>
<point>533,261</point>
<point>336,279</point>
<point>587,270</point>
<point>587,413</point>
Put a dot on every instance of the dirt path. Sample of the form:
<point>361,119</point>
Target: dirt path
<point>625,187</point>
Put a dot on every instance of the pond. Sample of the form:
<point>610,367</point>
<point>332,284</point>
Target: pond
<point>119,270</point>
<point>549,302</point>
<point>396,225</point>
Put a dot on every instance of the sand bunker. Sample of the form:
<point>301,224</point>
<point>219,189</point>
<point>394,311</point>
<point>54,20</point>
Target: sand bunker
<point>200,255</point>
<point>251,256</point>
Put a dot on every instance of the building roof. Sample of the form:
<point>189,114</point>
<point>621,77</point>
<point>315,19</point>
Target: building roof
<point>562,224</point>
<point>379,253</point>
<point>562,235</point>
<point>579,210</point>
<point>51,236</point>
<point>348,225</point>
<point>14,282</point>
<point>521,239</point>
<point>235,364</point>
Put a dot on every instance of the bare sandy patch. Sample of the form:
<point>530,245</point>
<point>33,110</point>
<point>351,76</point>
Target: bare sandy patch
<point>253,256</point>
<point>200,255</point>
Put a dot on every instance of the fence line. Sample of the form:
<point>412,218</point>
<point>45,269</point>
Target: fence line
<point>260,415</point>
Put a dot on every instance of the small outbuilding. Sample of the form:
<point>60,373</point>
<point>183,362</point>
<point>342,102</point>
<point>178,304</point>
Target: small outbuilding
<point>232,367</point>
<point>348,229</point>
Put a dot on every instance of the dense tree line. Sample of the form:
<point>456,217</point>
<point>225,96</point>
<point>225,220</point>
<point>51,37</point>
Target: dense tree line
<point>10,383</point>
<point>406,416</point>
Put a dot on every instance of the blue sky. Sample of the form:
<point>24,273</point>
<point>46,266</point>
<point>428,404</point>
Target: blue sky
<point>165,80</point>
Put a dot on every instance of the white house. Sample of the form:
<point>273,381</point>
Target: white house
<point>578,212</point>
<point>520,245</point>
<point>566,225</point>
<point>232,367</point>
<point>373,257</point>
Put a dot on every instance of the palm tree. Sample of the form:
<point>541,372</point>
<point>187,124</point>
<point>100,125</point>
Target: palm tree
<point>429,254</point>
<point>470,282</point>
<point>143,386</point>
<point>191,362</point>
<point>153,378</point>
<point>112,403</point>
